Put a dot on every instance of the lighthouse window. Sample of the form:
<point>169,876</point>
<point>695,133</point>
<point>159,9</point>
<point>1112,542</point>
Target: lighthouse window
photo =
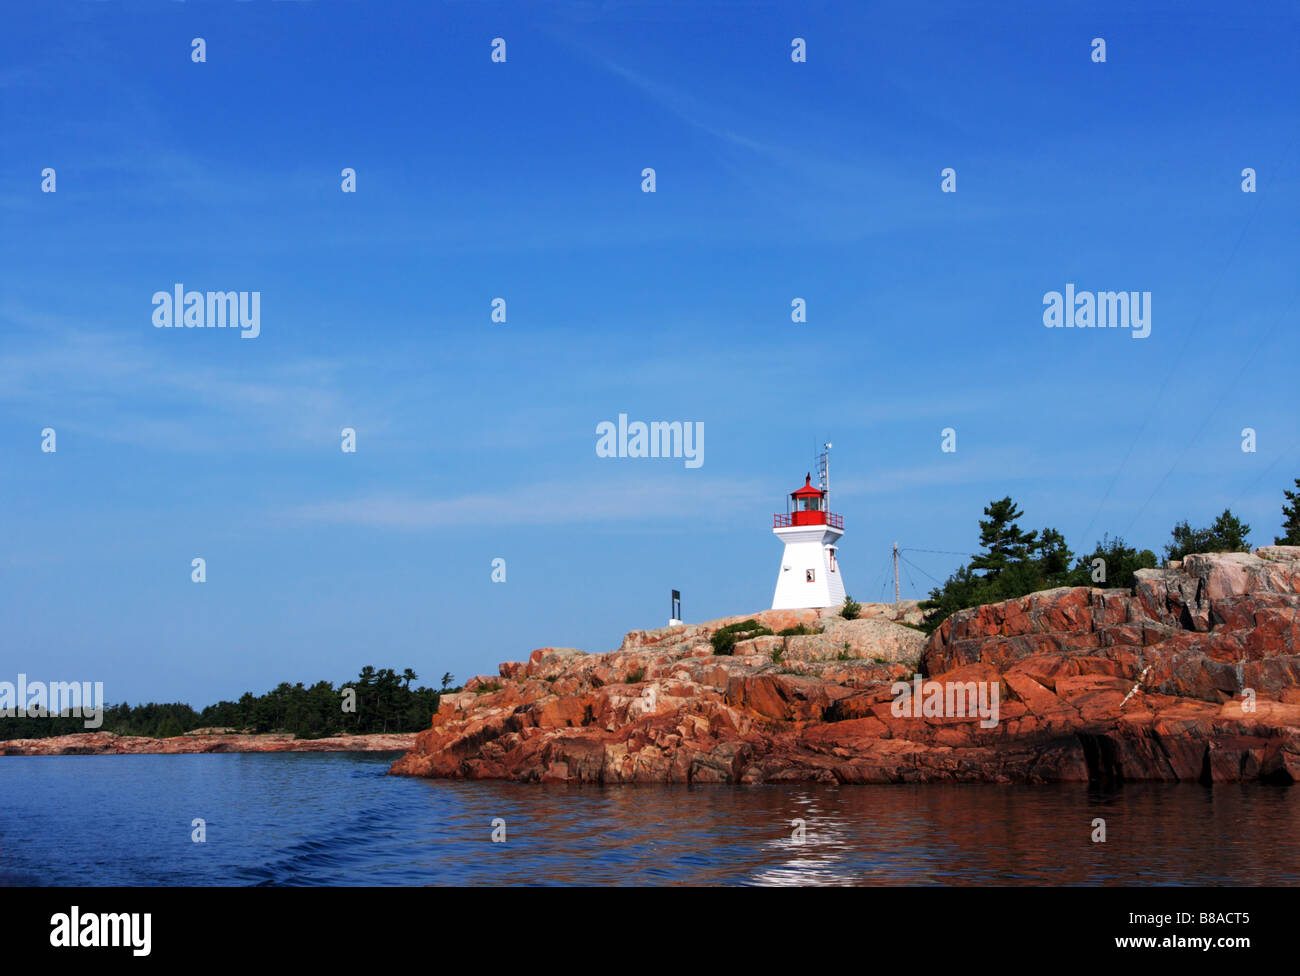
<point>809,577</point>
<point>831,552</point>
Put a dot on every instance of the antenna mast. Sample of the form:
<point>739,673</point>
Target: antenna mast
<point>824,471</point>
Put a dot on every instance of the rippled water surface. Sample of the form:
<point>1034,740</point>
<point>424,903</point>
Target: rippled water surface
<point>336,819</point>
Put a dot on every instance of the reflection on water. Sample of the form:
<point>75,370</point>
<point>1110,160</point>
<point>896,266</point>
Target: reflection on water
<point>337,819</point>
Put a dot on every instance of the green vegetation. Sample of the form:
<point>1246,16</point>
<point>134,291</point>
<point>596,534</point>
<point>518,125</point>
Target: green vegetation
<point>1014,562</point>
<point>487,689</point>
<point>798,630</point>
<point>1227,534</point>
<point>1290,519</point>
<point>724,639</point>
<point>851,609</point>
<point>636,676</point>
<point>385,702</point>
<point>1121,562</point>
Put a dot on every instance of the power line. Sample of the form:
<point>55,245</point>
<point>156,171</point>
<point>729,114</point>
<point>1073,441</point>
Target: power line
<point>884,581</point>
<point>1226,388</point>
<point>911,582</point>
<point>1176,361</point>
<point>921,571</point>
<point>1289,452</point>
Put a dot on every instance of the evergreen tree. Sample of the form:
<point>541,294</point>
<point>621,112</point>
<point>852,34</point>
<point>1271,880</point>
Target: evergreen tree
<point>1227,534</point>
<point>247,710</point>
<point>1014,562</point>
<point>1002,539</point>
<point>168,727</point>
<point>385,702</point>
<point>1290,519</point>
<point>1053,558</point>
<point>1121,562</point>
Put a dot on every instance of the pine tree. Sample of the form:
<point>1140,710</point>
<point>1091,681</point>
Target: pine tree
<point>1053,558</point>
<point>1002,539</point>
<point>168,727</point>
<point>1290,519</point>
<point>1227,534</point>
<point>1120,562</point>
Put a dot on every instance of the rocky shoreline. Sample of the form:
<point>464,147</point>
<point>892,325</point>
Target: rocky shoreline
<point>1192,675</point>
<point>110,744</point>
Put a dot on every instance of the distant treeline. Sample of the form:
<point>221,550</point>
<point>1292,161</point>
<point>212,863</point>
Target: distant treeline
<point>383,701</point>
<point>1015,562</point>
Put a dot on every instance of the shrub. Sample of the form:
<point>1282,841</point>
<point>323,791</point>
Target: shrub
<point>636,677</point>
<point>851,609</point>
<point>798,631</point>
<point>724,639</point>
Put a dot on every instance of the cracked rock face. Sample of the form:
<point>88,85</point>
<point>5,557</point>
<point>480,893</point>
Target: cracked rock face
<point>1192,675</point>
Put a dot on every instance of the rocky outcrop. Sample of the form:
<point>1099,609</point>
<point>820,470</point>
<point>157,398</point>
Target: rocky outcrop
<point>110,744</point>
<point>1194,674</point>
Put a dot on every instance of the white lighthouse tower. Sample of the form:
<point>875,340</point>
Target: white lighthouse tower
<point>810,572</point>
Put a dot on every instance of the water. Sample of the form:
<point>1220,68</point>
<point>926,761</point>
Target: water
<point>336,819</point>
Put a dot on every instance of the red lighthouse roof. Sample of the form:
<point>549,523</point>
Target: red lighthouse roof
<point>808,507</point>
<point>807,491</point>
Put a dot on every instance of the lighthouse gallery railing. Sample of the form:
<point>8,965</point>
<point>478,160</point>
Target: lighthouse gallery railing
<point>835,521</point>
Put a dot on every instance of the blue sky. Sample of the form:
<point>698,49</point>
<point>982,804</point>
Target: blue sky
<point>522,180</point>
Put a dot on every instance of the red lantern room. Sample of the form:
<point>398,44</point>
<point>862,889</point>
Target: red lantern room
<point>808,507</point>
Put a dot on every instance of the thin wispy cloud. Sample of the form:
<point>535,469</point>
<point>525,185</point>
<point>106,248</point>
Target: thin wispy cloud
<point>632,500</point>
<point>77,376</point>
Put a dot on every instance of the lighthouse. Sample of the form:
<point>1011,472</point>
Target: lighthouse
<point>810,573</point>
